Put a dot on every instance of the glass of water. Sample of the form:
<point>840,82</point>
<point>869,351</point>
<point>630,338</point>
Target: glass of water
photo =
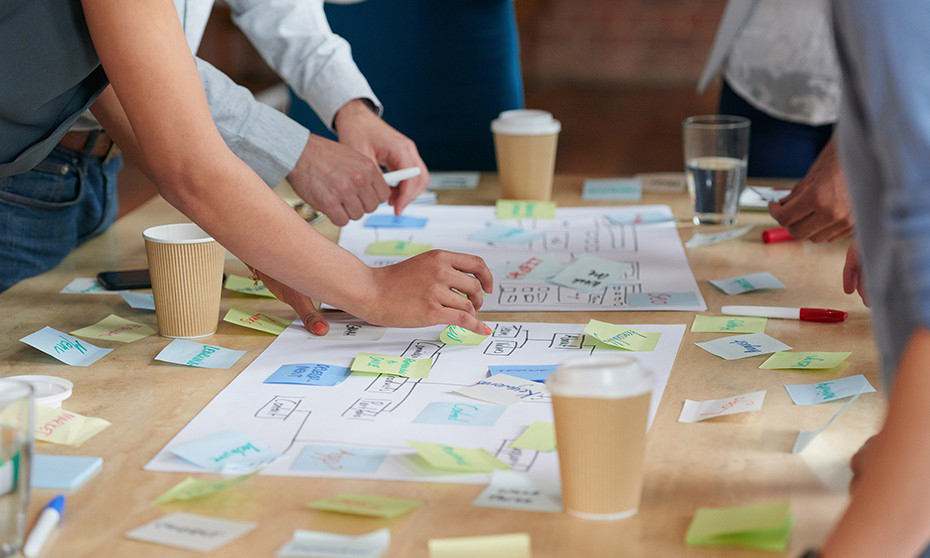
<point>16,440</point>
<point>716,151</point>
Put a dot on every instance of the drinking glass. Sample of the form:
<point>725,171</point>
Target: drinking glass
<point>16,440</point>
<point>716,150</point>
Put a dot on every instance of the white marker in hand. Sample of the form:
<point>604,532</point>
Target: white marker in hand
<point>396,177</point>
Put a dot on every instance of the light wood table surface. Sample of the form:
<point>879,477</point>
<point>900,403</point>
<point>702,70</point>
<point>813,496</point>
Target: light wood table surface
<point>736,460</point>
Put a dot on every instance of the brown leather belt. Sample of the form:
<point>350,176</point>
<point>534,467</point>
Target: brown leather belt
<point>103,147</point>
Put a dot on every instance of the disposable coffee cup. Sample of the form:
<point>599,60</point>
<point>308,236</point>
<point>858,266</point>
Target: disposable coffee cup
<point>525,143</point>
<point>601,407</point>
<point>186,266</point>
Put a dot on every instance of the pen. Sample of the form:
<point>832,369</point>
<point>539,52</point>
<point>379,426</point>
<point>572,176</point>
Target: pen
<point>806,314</point>
<point>48,520</point>
<point>776,235</point>
<point>396,177</point>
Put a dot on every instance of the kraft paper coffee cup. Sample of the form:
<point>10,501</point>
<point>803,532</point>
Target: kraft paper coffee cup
<point>601,407</point>
<point>525,143</point>
<point>186,266</point>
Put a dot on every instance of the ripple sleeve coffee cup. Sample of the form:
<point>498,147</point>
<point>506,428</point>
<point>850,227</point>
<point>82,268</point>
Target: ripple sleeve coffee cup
<point>525,143</point>
<point>186,266</point>
<point>601,407</point>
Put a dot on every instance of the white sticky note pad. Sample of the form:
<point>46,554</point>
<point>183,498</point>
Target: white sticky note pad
<point>504,389</point>
<point>696,411</point>
<point>515,491</point>
<point>734,347</point>
<point>191,531</point>
<point>591,273</point>
<point>747,283</point>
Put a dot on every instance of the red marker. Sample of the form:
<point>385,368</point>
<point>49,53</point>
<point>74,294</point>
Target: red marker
<point>776,235</point>
<point>806,314</point>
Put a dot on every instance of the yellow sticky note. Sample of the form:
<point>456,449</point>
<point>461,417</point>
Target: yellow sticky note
<point>728,324</point>
<point>455,335</point>
<point>397,248</point>
<point>763,527</point>
<point>64,427</point>
<point>114,328</point>
<point>809,360</point>
<point>256,320</point>
<point>515,545</point>
<point>525,209</point>
<point>539,436</point>
<point>191,488</point>
<point>622,337</point>
<point>366,504</point>
<point>392,365</point>
<point>452,458</point>
<point>245,285</point>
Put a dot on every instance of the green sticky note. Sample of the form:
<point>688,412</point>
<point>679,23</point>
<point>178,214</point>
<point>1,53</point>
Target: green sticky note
<point>245,285</point>
<point>809,360</point>
<point>763,527</point>
<point>392,365</point>
<point>525,209</point>
<point>114,328</point>
<point>622,337</point>
<point>539,436</point>
<point>256,320</point>
<point>452,458</point>
<point>455,335</point>
<point>397,248</point>
<point>366,504</point>
<point>191,488</point>
<point>728,324</point>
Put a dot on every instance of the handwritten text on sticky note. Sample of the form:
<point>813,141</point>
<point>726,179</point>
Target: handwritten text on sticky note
<point>114,328</point>
<point>226,451</point>
<point>619,336</point>
<point>457,335</point>
<point>525,209</point>
<point>590,273</point>
<point>743,346</point>
<point>728,324</point>
<point>309,374</point>
<point>240,284</point>
<point>504,390</point>
<point>831,390</point>
<point>695,411</point>
<point>191,353</point>
<point>256,320</point>
<point>804,360</point>
<point>452,458</point>
<point>748,283</point>
<point>64,347</point>
<point>392,365</point>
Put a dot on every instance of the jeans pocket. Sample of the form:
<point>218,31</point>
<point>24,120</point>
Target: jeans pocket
<point>52,184</point>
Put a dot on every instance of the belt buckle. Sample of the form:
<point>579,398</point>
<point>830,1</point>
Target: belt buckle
<point>112,152</point>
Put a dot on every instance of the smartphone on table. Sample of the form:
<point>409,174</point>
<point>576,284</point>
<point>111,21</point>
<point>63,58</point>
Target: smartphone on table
<point>122,280</point>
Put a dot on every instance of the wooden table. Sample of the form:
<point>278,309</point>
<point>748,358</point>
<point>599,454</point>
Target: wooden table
<point>735,460</point>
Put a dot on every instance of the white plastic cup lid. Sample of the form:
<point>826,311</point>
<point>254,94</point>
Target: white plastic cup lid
<point>47,390</point>
<point>178,233</point>
<point>602,377</point>
<point>525,122</point>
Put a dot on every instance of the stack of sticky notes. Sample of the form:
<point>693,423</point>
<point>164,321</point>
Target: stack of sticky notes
<point>63,472</point>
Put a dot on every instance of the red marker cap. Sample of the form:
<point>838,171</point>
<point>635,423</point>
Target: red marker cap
<point>823,315</point>
<point>776,235</point>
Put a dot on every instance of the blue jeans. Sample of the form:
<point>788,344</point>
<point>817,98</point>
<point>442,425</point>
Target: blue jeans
<point>45,213</point>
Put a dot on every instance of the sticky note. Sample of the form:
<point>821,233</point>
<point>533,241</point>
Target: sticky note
<point>705,239</point>
<point>504,390</point>
<point>762,527</point>
<point>735,347</point>
<point>452,458</point>
<point>64,427</point>
<point>639,218</point>
<point>534,372</point>
<point>344,459</point>
<point>309,374</point>
<point>240,284</point>
<point>515,545</point>
<point>529,269</point>
<point>397,248</point>
<point>612,189</point>
<point>448,413</point>
<point>728,324</point>
<point>192,489</point>
<point>349,331</point>
<point>539,436</point>
<point>319,544</point>
<point>804,360</point>
<point>457,335</point>
<point>372,505</point>
<point>662,181</point>
<point>139,301</point>
<point>747,283</point>
<point>805,437</point>
<point>226,451</point>
<point>392,365</point>
<point>63,472</point>
<point>696,411</point>
<point>515,491</point>
<point>114,328</point>
<point>191,353</point>
<point>453,180</point>
<point>831,390</point>
<point>190,531</point>
<point>502,234</point>
<point>256,320</point>
<point>620,336</point>
<point>395,222</point>
<point>590,273</point>
<point>69,350</point>
<point>86,285</point>
<point>525,209</point>
<point>658,300</point>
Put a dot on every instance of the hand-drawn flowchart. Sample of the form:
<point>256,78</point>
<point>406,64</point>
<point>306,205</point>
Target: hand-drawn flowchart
<point>359,427</point>
<point>659,277</point>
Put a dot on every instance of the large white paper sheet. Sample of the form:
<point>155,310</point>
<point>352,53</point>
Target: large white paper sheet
<point>360,427</point>
<point>653,251</point>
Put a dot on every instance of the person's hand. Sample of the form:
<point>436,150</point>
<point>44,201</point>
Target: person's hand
<point>302,304</point>
<point>818,208</point>
<point>338,181</point>
<point>419,291</point>
<point>860,462</point>
<point>853,280</point>
<point>364,131</point>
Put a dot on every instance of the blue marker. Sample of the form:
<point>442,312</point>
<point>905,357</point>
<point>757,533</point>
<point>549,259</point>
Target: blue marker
<point>48,520</point>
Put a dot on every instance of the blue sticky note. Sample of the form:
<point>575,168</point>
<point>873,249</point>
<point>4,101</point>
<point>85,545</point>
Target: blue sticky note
<point>534,372</point>
<point>226,451</point>
<point>142,301</point>
<point>639,218</point>
<point>69,350</point>
<point>343,459</point>
<point>191,353</point>
<point>63,472</point>
<point>662,299</point>
<point>612,189</point>
<point>396,222</point>
<point>462,414</point>
<point>310,374</point>
<point>747,283</point>
<point>812,394</point>
<point>504,234</point>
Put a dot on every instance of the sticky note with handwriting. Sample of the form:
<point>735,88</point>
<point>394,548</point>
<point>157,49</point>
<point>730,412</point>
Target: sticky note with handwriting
<point>69,350</point>
<point>395,222</point>
<point>539,436</point>
<point>86,285</point>
<point>453,180</point>
<point>620,336</point>
<point>351,331</point>
<point>256,320</point>
<point>529,269</point>
<point>392,365</point>
<point>199,355</point>
<point>457,335</point>
<point>452,458</point>
<point>728,324</point>
<point>534,372</point>
<point>397,248</point>
<point>59,426</point>
<point>747,283</point>
<point>612,189</point>
<point>516,545</point>
<point>831,390</point>
<point>805,360</point>
<point>309,374</point>
<point>502,234</point>
<point>525,209</point>
<point>735,347</point>
<point>590,273</point>
<point>191,531</point>
<point>696,411</point>
<point>372,505</point>
<point>319,544</point>
<point>226,451</point>
<point>114,328</point>
<point>660,299</point>
<point>240,284</point>
<point>344,459</point>
<point>762,527</point>
<point>504,390</point>
<point>461,413</point>
<point>139,301</point>
<point>639,218</point>
<point>510,490</point>
<point>192,489</point>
